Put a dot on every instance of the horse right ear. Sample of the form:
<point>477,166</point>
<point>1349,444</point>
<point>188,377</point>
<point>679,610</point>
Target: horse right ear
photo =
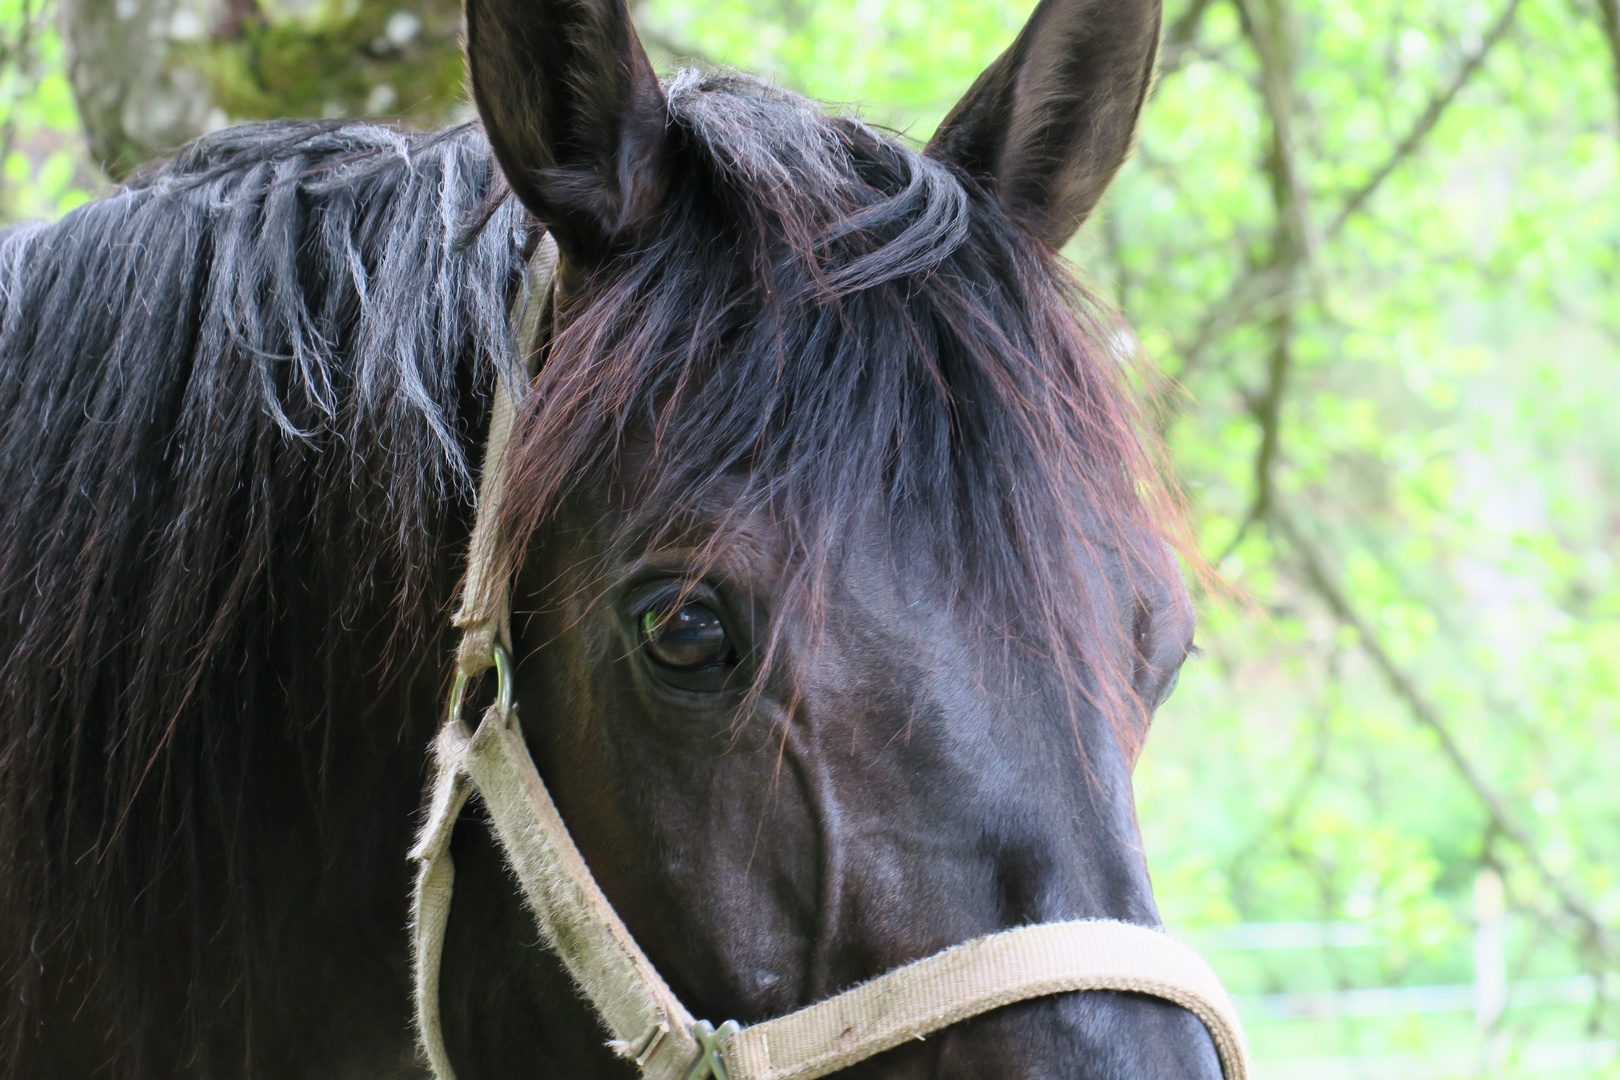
<point>574,114</point>
<point>1048,124</point>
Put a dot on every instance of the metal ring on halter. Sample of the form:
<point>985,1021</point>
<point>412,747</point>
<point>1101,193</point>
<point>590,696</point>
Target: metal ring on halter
<point>503,686</point>
<point>712,1065</point>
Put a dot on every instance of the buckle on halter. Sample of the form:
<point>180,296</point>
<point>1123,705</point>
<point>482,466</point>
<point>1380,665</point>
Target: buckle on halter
<point>503,686</point>
<point>712,1063</point>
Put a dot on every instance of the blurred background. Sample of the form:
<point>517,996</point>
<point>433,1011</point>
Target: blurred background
<point>1370,251</point>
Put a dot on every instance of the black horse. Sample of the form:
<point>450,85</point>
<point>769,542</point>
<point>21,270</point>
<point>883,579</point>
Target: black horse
<point>844,603</point>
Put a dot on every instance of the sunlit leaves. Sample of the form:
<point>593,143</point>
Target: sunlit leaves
<point>43,172</point>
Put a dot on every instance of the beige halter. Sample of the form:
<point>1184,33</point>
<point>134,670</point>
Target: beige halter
<point>645,1021</point>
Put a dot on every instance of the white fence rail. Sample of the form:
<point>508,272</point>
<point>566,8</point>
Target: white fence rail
<point>1487,997</point>
<point>1591,1058</point>
<point>1414,1000</point>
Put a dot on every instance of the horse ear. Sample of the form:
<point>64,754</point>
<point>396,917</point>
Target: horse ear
<point>1047,125</point>
<point>574,114</point>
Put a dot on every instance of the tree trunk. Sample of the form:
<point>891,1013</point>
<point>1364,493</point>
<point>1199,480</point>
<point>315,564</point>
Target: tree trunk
<point>137,102</point>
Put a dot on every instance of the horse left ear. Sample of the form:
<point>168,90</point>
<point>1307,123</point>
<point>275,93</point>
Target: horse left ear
<point>574,114</point>
<point>1048,124</point>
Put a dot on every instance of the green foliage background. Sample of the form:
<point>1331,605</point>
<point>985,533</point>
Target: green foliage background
<point>1371,255</point>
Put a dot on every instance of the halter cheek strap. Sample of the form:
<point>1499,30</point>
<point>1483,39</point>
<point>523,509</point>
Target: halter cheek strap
<point>645,1022</point>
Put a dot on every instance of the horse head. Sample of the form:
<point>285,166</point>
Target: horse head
<point>845,601</point>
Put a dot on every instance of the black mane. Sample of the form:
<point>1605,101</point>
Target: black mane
<point>238,397</point>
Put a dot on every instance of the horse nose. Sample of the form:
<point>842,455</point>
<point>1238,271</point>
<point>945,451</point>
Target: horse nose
<point>1121,1036</point>
<point>1094,1035</point>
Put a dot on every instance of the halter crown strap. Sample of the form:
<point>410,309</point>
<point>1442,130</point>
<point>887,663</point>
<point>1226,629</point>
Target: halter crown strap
<point>645,1022</point>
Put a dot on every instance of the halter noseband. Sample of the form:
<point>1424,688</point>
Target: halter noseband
<point>648,1025</point>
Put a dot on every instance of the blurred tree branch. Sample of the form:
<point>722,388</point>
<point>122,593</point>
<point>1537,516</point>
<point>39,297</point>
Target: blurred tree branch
<point>1609,16</point>
<point>18,52</point>
<point>678,51</point>
<point>662,41</point>
<point>1429,118</point>
<point>1269,282</point>
<point>18,55</point>
<point>1273,34</point>
<point>1502,819</point>
<point>1181,37</point>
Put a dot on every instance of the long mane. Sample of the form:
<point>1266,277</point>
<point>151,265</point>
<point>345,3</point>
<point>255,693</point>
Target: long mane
<point>237,399</point>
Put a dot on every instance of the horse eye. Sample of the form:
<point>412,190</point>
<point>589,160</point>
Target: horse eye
<point>691,637</point>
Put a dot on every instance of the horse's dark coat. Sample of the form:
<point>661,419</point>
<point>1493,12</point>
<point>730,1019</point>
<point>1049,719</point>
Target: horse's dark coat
<point>842,392</point>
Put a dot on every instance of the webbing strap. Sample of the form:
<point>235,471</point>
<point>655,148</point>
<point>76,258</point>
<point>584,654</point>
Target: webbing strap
<point>483,619</point>
<point>483,616</point>
<point>972,978</point>
<point>652,1028</point>
<point>646,1023</point>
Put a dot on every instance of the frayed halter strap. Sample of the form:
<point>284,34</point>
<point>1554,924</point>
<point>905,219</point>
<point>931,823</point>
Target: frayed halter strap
<point>646,1023</point>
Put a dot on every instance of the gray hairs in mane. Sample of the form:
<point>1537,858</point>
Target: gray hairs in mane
<point>237,398</point>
